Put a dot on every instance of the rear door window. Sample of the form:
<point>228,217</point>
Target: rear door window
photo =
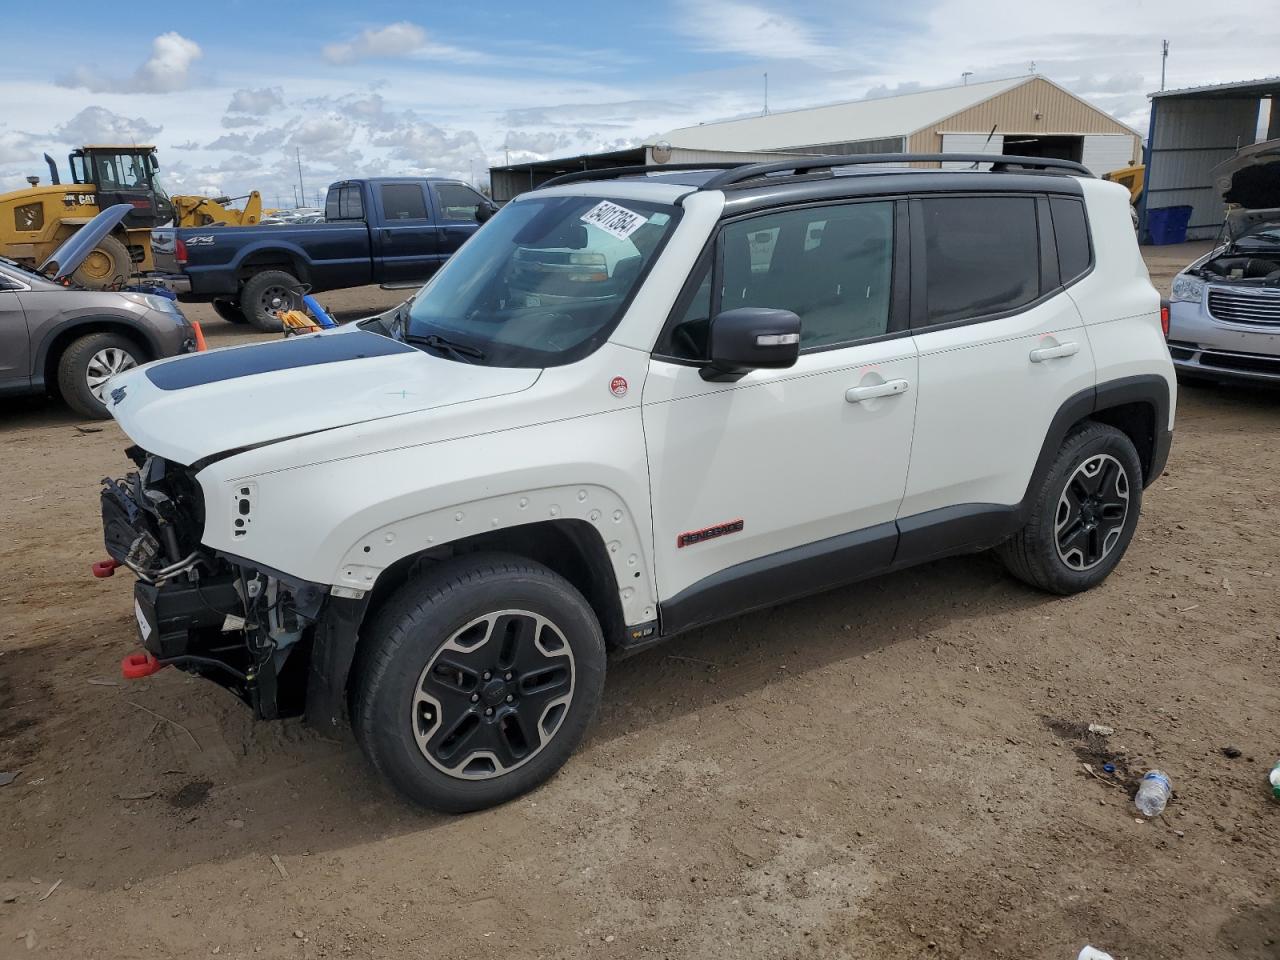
<point>981,256</point>
<point>403,201</point>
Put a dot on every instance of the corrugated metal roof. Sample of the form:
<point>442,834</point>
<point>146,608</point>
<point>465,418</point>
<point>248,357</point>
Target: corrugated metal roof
<point>858,119</point>
<point>1259,87</point>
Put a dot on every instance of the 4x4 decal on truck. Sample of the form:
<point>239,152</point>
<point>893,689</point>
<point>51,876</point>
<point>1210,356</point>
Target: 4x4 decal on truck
<point>708,533</point>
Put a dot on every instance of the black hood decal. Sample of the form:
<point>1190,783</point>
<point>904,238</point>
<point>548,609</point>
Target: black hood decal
<point>198,369</point>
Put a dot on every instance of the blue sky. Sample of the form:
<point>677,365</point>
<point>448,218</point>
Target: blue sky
<point>450,88</point>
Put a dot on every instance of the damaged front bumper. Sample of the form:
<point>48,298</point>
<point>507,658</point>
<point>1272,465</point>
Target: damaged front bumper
<point>257,632</point>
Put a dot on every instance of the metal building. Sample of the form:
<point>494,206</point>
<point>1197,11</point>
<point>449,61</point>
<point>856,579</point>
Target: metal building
<point>1192,131</point>
<point>1028,115</point>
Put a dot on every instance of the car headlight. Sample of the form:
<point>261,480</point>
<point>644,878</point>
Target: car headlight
<point>155,302</point>
<point>1186,287</point>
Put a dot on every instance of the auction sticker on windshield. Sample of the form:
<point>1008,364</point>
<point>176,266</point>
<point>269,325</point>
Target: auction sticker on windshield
<point>613,219</point>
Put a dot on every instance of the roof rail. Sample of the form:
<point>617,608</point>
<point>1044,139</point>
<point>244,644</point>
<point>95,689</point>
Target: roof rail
<point>1000,163</point>
<point>609,173</point>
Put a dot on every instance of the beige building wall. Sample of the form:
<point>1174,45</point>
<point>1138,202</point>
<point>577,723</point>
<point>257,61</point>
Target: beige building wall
<point>1014,112</point>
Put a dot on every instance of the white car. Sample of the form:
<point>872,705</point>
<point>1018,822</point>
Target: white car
<point>441,522</point>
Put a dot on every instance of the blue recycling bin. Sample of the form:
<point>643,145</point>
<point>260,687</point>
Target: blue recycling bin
<point>1168,224</point>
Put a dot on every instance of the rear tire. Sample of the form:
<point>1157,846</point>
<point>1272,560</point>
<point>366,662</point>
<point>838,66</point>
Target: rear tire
<point>107,265</point>
<point>1085,512</point>
<point>265,295</point>
<point>476,682</point>
<point>229,311</point>
<point>87,364</point>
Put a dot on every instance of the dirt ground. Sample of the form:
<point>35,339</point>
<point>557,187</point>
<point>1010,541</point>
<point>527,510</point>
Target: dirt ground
<point>891,770</point>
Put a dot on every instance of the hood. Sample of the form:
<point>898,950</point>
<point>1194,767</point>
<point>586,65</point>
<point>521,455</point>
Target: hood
<point>1242,223</point>
<point>71,254</point>
<point>1251,179</point>
<point>200,405</point>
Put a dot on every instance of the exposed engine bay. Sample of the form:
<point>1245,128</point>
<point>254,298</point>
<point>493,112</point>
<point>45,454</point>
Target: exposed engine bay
<point>1255,269</point>
<point>199,610</point>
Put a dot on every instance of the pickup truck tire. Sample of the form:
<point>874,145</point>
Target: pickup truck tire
<point>106,265</point>
<point>476,681</point>
<point>229,311</point>
<point>1085,512</point>
<point>265,294</point>
<point>85,366</point>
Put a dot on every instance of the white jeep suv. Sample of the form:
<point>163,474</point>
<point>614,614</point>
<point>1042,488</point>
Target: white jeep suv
<point>637,402</point>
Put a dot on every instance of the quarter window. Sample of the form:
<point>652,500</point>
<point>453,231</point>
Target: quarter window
<point>403,201</point>
<point>1071,233</point>
<point>982,256</point>
<point>831,266</point>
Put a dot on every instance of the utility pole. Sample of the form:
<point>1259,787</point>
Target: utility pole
<point>766,95</point>
<point>964,77</point>
<point>1164,58</point>
<point>301,192</point>
<point>506,151</point>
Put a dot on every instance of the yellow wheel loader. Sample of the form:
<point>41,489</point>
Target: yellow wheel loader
<point>35,222</point>
<point>189,211</point>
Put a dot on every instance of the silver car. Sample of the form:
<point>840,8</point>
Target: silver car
<point>1224,312</point>
<point>59,338</point>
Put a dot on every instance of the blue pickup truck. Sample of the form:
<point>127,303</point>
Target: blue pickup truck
<point>385,230</point>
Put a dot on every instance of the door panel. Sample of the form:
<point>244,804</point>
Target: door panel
<point>15,342</point>
<point>784,451</point>
<point>408,240</point>
<point>990,383</point>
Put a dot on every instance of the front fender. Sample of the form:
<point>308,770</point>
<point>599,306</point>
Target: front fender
<point>602,508</point>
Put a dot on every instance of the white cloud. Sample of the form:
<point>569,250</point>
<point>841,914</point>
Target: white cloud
<point>258,102</point>
<point>395,40</point>
<point>168,69</point>
<point>99,125</point>
<point>748,29</point>
<point>259,143</point>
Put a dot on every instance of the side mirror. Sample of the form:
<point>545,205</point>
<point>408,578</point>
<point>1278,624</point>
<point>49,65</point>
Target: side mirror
<point>484,211</point>
<point>751,338</point>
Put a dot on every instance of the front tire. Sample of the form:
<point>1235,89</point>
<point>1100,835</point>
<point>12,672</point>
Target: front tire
<point>478,680</point>
<point>266,295</point>
<point>87,364</point>
<point>1084,515</point>
<point>107,265</point>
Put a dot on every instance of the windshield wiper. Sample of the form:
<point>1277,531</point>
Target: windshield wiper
<point>463,352</point>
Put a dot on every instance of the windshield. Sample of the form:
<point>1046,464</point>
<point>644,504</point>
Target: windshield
<point>543,284</point>
<point>19,268</point>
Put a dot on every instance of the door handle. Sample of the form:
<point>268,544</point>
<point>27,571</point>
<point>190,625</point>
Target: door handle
<point>1040,354</point>
<point>890,388</point>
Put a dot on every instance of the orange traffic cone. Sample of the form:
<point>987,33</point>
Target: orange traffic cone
<point>201,346</point>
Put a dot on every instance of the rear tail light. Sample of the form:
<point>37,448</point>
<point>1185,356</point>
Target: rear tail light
<point>1164,319</point>
<point>180,251</point>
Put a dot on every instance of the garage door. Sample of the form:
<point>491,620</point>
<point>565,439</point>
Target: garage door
<point>1104,152</point>
<point>970,143</point>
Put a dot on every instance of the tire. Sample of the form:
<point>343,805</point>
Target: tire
<point>264,294</point>
<point>107,265</point>
<point>486,615</point>
<point>1082,520</point>
<point>229,311</point>
<point>85,366</point>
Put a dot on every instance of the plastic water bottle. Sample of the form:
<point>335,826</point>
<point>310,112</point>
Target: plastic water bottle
<point>1154,792</point>
<point>1275,781</point>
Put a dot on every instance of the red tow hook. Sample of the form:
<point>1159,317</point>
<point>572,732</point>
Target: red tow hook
<point>105,568</point>
<point>138,665</point>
